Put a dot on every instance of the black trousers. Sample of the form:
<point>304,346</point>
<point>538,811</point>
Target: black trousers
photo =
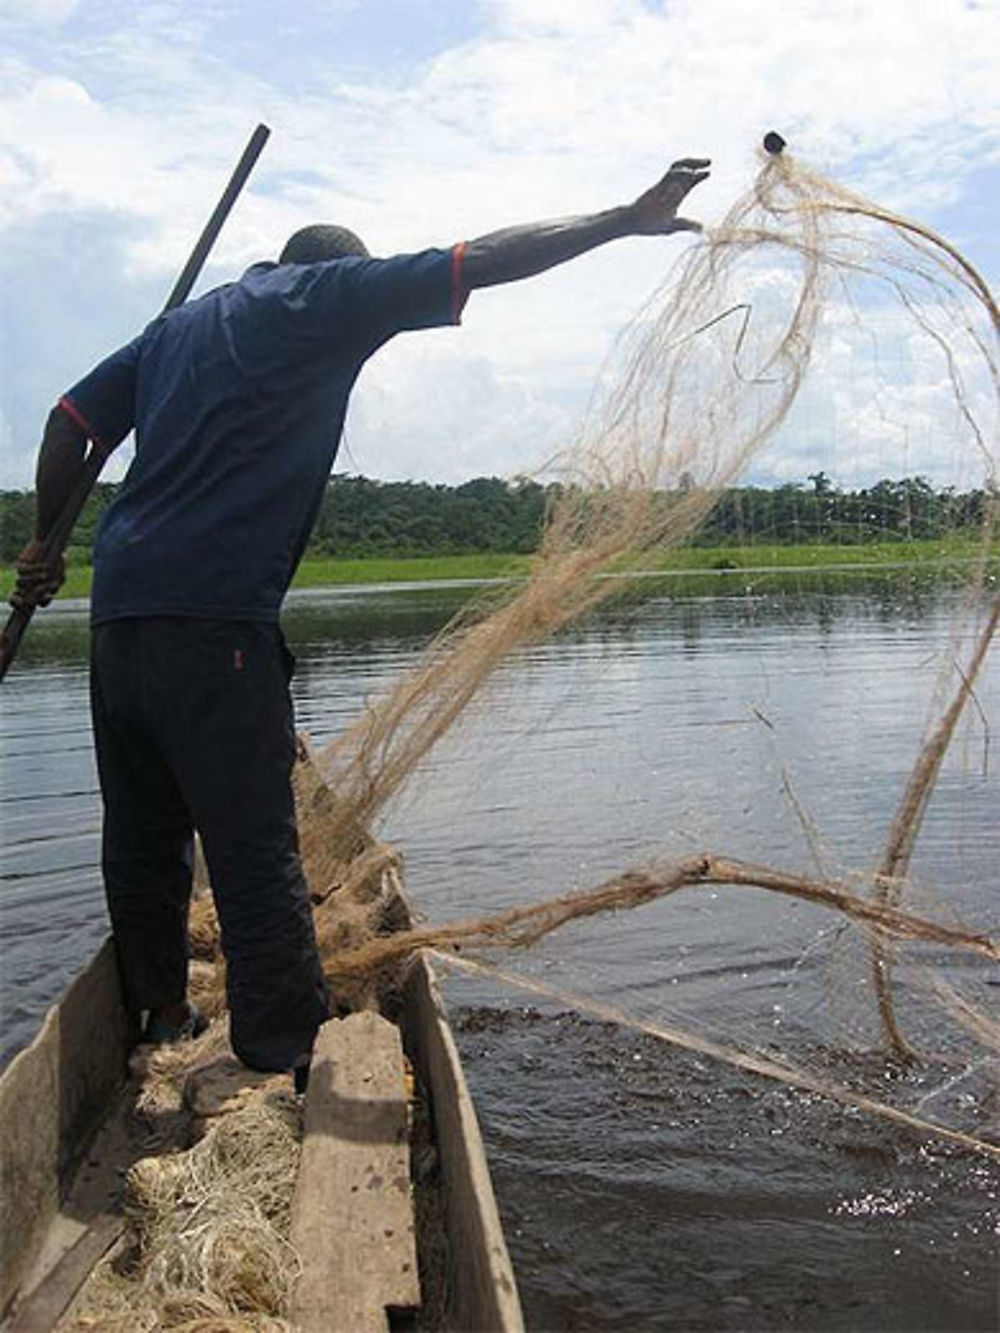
<point>193,729</point>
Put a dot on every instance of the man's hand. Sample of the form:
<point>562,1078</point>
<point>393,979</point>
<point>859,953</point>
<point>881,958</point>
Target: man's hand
<point>655,212</point>
<point>38,580</point>
<point>520,252</point>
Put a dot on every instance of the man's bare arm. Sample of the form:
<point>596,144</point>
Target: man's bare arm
<point>521,252</point>
<point>60,462</point>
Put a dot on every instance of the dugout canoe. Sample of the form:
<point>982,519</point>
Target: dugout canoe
<point>63,1146</point>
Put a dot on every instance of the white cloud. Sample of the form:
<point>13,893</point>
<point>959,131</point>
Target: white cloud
<point>424,408</point>
<point>11,477</point>
<point>546,108</point>
<point>880,402</point>
<point>47,13</point>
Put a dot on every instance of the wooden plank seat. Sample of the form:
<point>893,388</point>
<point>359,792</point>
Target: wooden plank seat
<point>352,1215</point>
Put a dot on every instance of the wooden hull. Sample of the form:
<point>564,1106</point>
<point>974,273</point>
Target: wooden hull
<point>54,1096</point>
<point>56,1220</point>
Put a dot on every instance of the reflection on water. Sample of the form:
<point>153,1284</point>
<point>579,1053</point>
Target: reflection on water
<point>773,721</point>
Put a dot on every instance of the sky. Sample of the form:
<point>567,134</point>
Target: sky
<point>423,122</point>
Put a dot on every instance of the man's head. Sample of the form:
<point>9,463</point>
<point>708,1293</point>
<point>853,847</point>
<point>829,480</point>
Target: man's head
<point>311,245</point>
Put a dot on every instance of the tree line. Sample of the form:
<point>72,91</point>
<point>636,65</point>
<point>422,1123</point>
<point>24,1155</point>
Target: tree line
<point>907,510</point>
<point>361,517</point>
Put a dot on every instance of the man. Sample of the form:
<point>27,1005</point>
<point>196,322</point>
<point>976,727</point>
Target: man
<point>237,401</point>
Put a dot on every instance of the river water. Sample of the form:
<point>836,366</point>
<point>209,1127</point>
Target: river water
<point>643,1186</point>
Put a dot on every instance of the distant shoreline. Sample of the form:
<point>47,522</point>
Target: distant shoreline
<point>330,572</point>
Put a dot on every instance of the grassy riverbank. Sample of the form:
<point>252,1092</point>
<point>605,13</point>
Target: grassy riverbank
<point>320,572</point>
<point>326,572</point>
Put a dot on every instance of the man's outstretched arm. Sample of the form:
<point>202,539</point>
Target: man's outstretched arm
<point>520,252</point>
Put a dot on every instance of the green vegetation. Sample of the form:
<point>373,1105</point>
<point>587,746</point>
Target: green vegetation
<point>876,554</point>
<point>326,572</point>
<point>890,511</point>
<point>17,521</point>
<point>364,518</point>
<point>382,532</point>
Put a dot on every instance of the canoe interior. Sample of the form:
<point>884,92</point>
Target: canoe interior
<point>56,1095</point>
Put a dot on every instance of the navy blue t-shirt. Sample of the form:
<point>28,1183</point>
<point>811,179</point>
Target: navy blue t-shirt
<point>238,402</point>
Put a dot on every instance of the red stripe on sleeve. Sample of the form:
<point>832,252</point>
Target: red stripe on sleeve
<point>71,410</point>
<point>459,295</point>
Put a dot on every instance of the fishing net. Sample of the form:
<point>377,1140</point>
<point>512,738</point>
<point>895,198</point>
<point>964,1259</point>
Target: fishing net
<point>208,1246</point>
<point>703,381</point>
<point>899,335</point>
